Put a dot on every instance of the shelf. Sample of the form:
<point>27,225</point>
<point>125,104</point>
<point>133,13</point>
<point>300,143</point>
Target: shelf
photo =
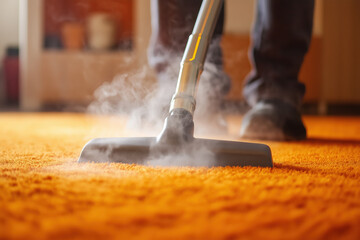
<point>66,22</point>
<point>62,76</point>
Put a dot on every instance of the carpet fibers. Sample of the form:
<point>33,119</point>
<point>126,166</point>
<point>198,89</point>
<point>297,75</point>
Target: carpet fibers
<point>313,192</point>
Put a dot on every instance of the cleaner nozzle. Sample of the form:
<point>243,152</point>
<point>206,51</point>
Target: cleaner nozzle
<point>178,128</point>
<point>176,139</point>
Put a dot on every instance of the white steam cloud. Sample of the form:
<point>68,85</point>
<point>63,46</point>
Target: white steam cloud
<point>191,156</point>
<point>146,105</point>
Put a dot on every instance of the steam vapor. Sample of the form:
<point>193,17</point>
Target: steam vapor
<point>146,104</point>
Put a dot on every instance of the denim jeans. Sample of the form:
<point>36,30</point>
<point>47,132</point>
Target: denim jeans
<point>280,39</point>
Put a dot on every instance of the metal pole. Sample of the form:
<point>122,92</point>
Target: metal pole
<point>194,56</point>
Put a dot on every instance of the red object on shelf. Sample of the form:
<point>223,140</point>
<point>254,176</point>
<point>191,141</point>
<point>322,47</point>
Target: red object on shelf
<point>73,35</point>
<point>11,71</point>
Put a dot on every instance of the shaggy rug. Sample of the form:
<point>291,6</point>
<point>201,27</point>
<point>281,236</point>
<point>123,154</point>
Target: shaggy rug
<point>313,191</point>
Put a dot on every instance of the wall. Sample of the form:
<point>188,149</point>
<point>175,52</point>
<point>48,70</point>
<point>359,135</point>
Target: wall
<point>9,14</point>
<point>9,24</point>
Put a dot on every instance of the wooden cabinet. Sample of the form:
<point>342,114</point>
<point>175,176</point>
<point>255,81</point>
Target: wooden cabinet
<point>52,74</point>
<point>341,52</point>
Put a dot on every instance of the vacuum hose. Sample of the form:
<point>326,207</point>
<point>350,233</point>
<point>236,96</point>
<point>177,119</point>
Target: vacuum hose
<point>194,56</point>
<point>179,125</point>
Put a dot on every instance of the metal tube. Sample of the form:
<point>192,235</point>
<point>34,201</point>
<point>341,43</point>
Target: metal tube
<point>194,56</point>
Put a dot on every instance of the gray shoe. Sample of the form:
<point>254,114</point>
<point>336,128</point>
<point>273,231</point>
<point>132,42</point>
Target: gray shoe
<point>273,120</point>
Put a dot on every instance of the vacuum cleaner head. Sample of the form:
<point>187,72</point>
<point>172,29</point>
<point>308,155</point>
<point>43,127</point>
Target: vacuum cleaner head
<point>144,151</point>
<point>176,146</point>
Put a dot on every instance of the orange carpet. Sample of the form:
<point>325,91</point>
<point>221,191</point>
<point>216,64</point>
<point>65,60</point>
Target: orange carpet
<point>313,192</point>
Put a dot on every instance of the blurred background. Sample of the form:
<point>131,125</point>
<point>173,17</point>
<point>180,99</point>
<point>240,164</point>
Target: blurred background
<point>56,53</point>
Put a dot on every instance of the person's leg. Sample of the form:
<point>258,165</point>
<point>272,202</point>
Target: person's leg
<point>281,38</point>
<point>172,23</point>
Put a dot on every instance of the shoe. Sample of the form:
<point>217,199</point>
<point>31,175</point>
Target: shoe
<point>273,120</point>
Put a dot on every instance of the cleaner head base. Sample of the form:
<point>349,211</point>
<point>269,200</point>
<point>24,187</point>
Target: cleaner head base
<point>176,146</point>
<point>199,153</point>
